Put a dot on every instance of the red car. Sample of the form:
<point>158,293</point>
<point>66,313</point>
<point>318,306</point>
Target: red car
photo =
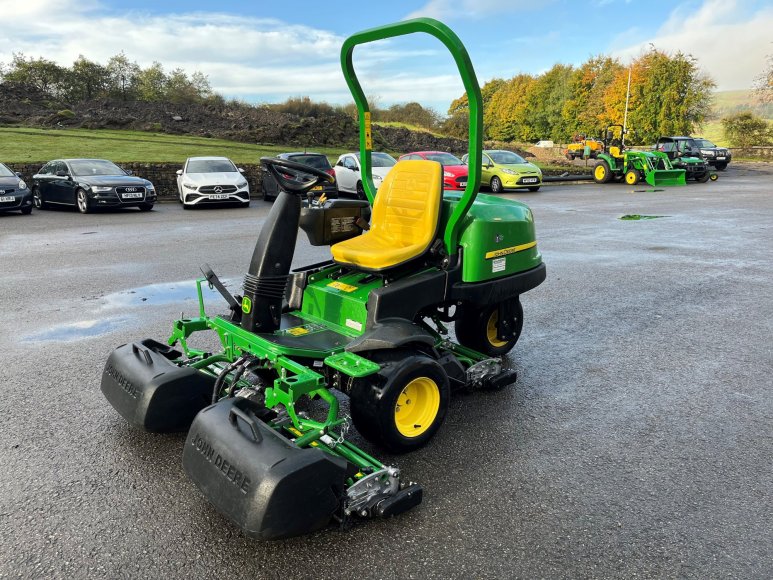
<point>454,169</point>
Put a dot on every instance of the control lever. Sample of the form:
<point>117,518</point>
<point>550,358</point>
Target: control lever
<point>214,282</point>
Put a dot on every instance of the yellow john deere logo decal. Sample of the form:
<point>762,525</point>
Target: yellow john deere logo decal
<point>342,286</point>
<point>510,250</point>
<point>246,305</point>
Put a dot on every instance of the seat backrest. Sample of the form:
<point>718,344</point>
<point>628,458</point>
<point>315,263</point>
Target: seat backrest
<point>614,151</point>
<point>407,206</point>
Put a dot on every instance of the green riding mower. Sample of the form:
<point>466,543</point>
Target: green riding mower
<point>683,153</point>
<point>267,443</point>
<point>617,162</point>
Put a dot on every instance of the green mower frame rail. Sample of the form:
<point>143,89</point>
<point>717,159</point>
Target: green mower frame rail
<point>267,441</point>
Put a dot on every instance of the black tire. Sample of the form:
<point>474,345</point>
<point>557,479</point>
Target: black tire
<point>703,177</point>
<point>26,210</point>
<point>187,206</point>
<point>180,197</point>
<point>496,185</point>
<point>246,204</point>
<point>82,201</point>
<point>475,326</point>
<point>602,173</point>
<point>721,166</point>
<point>569,156</point>
<point>360,191</point>
<point>632,177</point>
<point>145,206</point>
<point>404,374</point>
<point>37,199</point>
<point>534,188</point>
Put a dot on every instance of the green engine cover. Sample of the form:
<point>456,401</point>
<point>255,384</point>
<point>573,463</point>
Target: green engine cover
<point>498,237</point>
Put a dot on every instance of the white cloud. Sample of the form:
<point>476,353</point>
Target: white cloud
<point>449,9</point>
<point>253,58</point>
<point>728,42</point>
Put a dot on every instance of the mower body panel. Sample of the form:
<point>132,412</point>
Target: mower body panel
<point>498,238</point>
<point>257,478</point>
<point>152,392</point>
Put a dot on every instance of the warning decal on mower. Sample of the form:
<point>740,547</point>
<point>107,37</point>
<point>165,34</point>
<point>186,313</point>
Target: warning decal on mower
<point>499,265</point>
<point>510,250</point>
<point>341,286</point>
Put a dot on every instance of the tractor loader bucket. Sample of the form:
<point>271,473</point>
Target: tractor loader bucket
<point>666,177</point>
<point>258,479</point>
<point>150,391</point>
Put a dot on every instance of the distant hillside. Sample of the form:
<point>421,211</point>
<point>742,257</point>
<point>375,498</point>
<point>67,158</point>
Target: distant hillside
<point>728,102</point>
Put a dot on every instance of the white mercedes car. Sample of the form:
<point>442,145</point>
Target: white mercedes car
<point>211,180</point>
<point>348,176</point>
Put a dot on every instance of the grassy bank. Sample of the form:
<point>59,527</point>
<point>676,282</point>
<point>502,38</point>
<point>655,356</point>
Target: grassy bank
<point>19,145</point>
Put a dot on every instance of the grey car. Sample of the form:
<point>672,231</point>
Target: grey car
<point>88,184</point>
<point>14,193</point>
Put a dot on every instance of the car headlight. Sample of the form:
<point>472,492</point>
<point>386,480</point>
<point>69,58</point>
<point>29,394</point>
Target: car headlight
<point>708,153</point>
<point>22,184</point>
<point>189,186</point>
<point>242,184</point>
<point>101,188</point>
<point>447,174</point>
<point>509,172</point>
<point>149,187</point>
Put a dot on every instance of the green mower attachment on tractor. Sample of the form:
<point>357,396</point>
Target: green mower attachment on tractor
<point>268,444</point>
<point>617,162</point>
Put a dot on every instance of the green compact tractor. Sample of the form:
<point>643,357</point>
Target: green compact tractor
<point>267,441</point>
<point>617,162</point>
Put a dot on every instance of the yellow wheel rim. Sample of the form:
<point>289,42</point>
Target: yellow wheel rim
<point>630,178</point>
<point>491,330</point>
<point>599,172</point>
<point>417,407</point>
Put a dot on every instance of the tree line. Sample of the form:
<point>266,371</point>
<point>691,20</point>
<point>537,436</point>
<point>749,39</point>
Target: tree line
<point>120,78</point>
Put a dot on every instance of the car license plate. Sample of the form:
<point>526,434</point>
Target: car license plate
<point>218,196</point>
<point>530,180</point>
<point>131,195</point>
<point>316,188</point>
<point>720,158</point>
<point>5,199</point>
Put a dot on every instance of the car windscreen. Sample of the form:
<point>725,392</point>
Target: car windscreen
<point>381,159</point>
<point>444,158</point>
<point>704,143</point>
<point>5,172</point>
<point>85,167</point>
<point>315,161</point>
<point>506,157</point>
<point>210,166</point>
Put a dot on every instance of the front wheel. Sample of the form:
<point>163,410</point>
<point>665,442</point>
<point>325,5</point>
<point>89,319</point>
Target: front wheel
<point>82,201</point>
<point>496,185</point>
<point>632,177</point>
<point>534,188</point>
<point>38,200</point>
<point>26,210</point>
<point>721,166</point>
<point>601,173</point>
<point>703,177</point>
<point>477,328</point>
<point>403,405</point>
<point>145,206</point>
<point>360,191</point>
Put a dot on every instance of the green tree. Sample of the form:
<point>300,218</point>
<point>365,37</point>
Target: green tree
<point>545,100</point>
<point>506,114</point>
<point>122,77</point>
<point>85,80</point>
<point>583,110</point>
<point>45,75</point>
<point>745,129</point>
<point>151,83</point>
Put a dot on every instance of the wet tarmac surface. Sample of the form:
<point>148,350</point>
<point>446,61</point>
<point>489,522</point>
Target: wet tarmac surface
<point>636,443</point>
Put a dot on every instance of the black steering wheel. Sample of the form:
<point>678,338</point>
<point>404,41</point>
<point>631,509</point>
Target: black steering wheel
<point>301,184</point>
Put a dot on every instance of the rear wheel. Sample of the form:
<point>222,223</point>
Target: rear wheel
<point>360,190</point>
<point>477,328</point>
<point>403,405</point>
<point>82,201</point>
<point>496,185</point>
<point>601,173</point>
<point>632,177</point>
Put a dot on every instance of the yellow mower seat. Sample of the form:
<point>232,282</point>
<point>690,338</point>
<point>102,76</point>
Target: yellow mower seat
<point>404,220</point>
<point>614,151</point>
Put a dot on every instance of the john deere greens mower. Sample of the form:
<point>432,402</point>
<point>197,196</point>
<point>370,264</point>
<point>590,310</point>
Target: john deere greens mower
<point>369,323</point>
<point>617,162</point>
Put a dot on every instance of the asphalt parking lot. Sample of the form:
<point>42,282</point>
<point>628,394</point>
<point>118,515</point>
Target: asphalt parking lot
<point>637,441</point>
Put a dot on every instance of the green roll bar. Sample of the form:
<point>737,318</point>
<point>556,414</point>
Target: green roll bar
<point>462,59</point>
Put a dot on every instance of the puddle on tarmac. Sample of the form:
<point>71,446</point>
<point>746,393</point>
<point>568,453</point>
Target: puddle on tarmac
<point>78,330</point>
<point>162,293</point>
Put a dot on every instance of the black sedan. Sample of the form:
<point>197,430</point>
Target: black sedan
<point>90,183</point>
<point>14,193</point>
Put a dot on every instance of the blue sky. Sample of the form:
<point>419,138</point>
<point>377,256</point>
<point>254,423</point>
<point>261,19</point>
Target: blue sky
<point>268,51</point>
